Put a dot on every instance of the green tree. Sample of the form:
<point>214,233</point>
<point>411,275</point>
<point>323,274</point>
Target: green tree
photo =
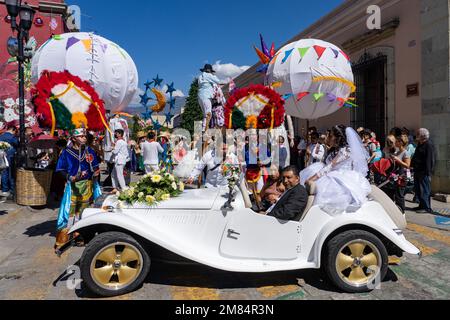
<point>192,111</point>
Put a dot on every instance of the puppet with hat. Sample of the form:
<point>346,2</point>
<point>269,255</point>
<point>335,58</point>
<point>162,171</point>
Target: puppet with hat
<point>63,101</point>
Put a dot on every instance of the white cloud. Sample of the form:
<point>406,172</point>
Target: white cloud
<point>176,94</point>
<point>225,71</point>
<point>136,102</point>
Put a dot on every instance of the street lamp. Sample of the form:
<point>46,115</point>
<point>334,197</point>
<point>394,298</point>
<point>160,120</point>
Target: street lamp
<point>26,14</point>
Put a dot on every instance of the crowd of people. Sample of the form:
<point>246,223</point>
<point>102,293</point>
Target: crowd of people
<point>403,165</point>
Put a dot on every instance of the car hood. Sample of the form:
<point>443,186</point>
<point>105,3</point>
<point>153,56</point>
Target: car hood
<point>198,199</point>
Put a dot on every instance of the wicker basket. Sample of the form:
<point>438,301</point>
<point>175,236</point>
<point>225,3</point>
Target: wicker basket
<point>33,187</point>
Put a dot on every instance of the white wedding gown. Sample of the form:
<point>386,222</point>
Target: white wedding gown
<point>340,188</point>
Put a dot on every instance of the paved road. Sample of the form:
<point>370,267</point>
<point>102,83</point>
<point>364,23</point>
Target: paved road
<point>30,270</point>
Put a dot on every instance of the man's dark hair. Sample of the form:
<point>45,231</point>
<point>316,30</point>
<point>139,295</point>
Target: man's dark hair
<point>292,169</point>
<point>151,135</point>
<point>315,135</point>
<point>367,133</point>
<point>121,132</point>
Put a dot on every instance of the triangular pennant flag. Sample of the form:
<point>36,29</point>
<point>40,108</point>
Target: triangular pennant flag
<point>287,96</point>
<point>287,55</point>
<point>57,37</point>
<point>331,97</point>
<point>87,44</point>
<point>301,95</point>
<point>104,47</point>
<point>341,101</point>
<point>320,50</point>
<point>303,52</point>
<point>318,96</point>
<point>276,84</point>
<point>71,41</point>
<point>336,53</point>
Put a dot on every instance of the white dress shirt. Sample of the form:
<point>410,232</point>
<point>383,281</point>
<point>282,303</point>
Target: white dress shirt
<point>317,153</point>
<point>121,155</point>
<point>150,153</point>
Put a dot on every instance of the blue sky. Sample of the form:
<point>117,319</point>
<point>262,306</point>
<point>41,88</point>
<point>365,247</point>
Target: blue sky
<point>176,38</point>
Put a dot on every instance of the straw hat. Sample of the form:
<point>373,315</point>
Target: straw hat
<point>141,134</point>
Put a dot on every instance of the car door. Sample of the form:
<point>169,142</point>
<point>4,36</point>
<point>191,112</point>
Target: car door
<point>249,235</point>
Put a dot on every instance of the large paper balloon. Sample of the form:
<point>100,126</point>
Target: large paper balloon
<point>314,77</point>
<point>108,68</point>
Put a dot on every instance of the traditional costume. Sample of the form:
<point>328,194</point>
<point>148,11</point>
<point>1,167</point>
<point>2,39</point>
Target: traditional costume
<point>79,195</point>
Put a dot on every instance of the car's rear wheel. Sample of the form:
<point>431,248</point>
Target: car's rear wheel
<point>114,264</point>
<point>356,261</point>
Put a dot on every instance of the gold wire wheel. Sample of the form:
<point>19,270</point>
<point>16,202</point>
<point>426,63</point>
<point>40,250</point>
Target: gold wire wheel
<point>358,263</point>
<point>116,266</point>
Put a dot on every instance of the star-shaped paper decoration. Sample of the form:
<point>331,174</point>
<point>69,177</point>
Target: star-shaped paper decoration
<point>144,99</point>
<point>147,85</point>
<point>172,103</point>
<point>156,125</point>
<point>169,117</point>
<point>148,114</point>
<point>171,88</point>
<point>157,81</point>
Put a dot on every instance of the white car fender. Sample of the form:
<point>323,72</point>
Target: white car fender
<point>378,221</point>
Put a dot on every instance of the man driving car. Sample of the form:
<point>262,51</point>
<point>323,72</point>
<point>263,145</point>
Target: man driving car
<point>293,201</point>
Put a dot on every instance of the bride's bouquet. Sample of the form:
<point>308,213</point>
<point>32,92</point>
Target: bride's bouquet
<point>153,188</point>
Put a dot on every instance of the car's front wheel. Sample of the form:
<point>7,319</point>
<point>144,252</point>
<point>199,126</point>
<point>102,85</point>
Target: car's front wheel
<point>114,264</point>
<point>356,261</point>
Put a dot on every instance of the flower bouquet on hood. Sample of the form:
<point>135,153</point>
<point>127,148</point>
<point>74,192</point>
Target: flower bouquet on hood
<point>152,189</point>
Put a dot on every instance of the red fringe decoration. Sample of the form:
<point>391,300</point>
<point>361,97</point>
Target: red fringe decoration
<point>42,93</point>
<point>265,117</point>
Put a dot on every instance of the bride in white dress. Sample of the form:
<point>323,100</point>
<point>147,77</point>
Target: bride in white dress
<point>341,182</point>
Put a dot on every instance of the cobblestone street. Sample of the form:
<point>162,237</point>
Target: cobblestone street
<point>30,270</point>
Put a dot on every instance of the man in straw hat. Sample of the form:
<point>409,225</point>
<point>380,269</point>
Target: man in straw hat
<point>79,164</point>
<point>206,82</point>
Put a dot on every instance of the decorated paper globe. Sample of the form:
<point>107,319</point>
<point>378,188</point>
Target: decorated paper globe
<point>313,76</point>
<point>108,67</point>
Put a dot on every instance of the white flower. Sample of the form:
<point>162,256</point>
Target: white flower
<point>120,205</point>
<point>181,186</point>
<point>174,186</point>
<point>172,178</point>
<point>150,199</point>
<point>141,195</point>
<point>118,193</point>
<point>165,197</point>
<point>9,102</point>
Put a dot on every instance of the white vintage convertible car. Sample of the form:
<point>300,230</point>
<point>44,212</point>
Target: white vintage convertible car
<point>200,226</point>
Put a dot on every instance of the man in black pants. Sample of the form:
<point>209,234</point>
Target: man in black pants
<point>423,163</point>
